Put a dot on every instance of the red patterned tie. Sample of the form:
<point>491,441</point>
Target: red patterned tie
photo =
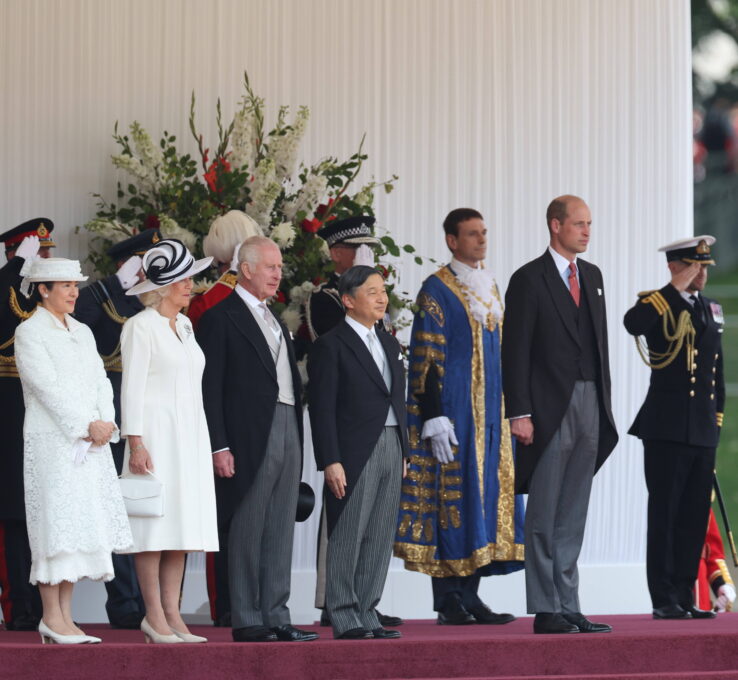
<point>573,283</point>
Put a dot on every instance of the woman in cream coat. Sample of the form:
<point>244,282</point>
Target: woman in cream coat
<point>74,507</point>
<point>164,423</point>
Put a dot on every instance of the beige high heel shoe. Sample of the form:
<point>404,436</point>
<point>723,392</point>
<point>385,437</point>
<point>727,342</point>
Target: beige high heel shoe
<point>49,637</point>
<point>150,635</point>
<point>189,637</point>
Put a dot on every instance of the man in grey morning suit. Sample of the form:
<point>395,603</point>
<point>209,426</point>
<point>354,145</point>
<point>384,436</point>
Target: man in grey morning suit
<point>357,412</point>
<point>253,404</point>
<point>556,380</point>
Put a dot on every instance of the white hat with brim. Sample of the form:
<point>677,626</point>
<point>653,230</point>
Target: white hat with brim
<point>41,270</point>
<point>168,262</point>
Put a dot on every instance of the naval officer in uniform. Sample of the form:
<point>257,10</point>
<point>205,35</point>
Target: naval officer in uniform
<point>679,421</point>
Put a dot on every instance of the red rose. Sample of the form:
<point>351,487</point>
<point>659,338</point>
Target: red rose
<point>280,297</point>
<point>151,222</point>
<point>310,226</point>
<point>219,166</point>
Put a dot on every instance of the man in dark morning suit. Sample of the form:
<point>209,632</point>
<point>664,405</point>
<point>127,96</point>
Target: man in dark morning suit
<point>679,422</point>
<point>357,413</point>
<point>105,307</point>
<point>20,600</point>
<point>556,379</point>
<point>252,394</point>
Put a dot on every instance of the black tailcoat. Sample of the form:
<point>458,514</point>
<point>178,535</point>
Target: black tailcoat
<point>541,352</point>
<point>349,401</point>
<point>240,392</point>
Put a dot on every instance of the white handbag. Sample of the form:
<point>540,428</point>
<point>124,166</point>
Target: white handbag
<point>143,495</point>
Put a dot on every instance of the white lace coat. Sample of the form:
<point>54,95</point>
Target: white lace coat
<point>75,512</point>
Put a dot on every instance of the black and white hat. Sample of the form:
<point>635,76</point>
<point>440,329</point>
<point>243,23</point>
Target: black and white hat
<point>351,230</point>
<point>168,262</point>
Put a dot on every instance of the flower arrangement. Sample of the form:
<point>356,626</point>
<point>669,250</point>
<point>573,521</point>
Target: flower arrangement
<point>250,169</point>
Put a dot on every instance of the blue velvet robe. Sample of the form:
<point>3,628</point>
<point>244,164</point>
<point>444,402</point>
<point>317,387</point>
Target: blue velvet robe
<point>461,518</point>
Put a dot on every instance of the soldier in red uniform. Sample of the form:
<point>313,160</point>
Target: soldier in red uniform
<point>713,577</point>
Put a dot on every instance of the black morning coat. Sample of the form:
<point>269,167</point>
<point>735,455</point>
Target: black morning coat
<point>682,403</point>
<point>349,402</point>
<point>240,393</point>
<point>541,352</point>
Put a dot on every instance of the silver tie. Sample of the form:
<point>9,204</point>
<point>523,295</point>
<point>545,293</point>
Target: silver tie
<point>270,320</point>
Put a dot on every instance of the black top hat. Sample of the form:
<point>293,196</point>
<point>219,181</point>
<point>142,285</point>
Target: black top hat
<point>305,502</point>
<point>352,230</point>
<point>38,226</point>
<point>135,245</point>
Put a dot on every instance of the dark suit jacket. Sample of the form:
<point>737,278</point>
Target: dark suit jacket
<point>540,352</point>
<point>349,402</point>
<point>681,404</point>
<point>240,393</point>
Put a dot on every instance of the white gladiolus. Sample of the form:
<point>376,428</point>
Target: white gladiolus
<point>284,235</point>
<point>308,197</point>
<point>243,140</point>
<point>325,251</point>
<point>149,153</point>
<point>308,286</point>
<point>292,318</point>
<point>264,192</point>
<point>283,148</point>
<point>110,230</point>
<point>170,229</point>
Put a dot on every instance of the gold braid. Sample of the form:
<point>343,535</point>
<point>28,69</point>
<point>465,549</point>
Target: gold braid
<point>683,334</point>
<point>16,307</point>
<point>112,312</point>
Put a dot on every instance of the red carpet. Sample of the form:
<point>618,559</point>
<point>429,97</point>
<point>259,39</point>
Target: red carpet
<point>639,648</point>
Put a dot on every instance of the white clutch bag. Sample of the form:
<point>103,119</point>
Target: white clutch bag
<point>143,495</point>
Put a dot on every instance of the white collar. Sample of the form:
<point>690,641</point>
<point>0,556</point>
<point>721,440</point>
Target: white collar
<point>360,329</point>
<point>460,267</point>
<point>688,296</point>
<point>249,298</point>
<point>562,264</point>
<point>72,323</point>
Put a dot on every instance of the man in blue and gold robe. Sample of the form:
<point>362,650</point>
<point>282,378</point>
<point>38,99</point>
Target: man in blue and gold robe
<point>459,516</point>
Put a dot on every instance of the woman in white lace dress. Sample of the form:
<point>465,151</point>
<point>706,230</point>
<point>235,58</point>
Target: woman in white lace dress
<point>74,508</point>
<point>164,422</point>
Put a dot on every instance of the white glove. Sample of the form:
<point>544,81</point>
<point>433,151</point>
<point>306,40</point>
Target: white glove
<point>364,256</point>
<point>234,259</point>
<point>28,248</point>
<point>442,436</point>
<point>128,273</point>
<point>726,597</point>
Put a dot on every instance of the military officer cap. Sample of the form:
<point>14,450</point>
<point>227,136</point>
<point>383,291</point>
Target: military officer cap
<point>38,226</point>
<point>693,250</point>
<point>135,245</point>
<point>351,231</point>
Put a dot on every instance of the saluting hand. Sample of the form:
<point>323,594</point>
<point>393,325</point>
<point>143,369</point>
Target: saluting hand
<point>681,279</point>
<point>335,478</point>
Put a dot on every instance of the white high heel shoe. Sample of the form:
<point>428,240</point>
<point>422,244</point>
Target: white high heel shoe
<point>189,637</point>
<point>151,635</point>
<point>49,637</point>
<point>91,639</point>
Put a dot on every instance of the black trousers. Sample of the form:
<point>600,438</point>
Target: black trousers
<point>23,598</point>
<point>462,587</point>
<point>124,595</point>
<point>679,480</point>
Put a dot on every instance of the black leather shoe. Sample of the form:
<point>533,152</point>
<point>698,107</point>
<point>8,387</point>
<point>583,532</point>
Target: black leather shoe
<point>23,622</point>
<point>325,620</point>
<point>552,624</point>
<point>454,614</point>
<point>384,634</point>
<point>289,633</point>
<point>130,621</point>
<point>253,634</point>
<point>483,614</point>
<point>671,611</point>
<point>585,625</point>
<point>387,620</point>
<point>701,613</point>
<point>355,634</point>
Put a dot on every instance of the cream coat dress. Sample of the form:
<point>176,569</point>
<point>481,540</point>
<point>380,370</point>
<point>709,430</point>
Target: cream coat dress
<point>161,400</point>
<point>74,509</point>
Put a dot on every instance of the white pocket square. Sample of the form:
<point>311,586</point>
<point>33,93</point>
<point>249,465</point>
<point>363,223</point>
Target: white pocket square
<point>399,356</point>
<point>599,291</point>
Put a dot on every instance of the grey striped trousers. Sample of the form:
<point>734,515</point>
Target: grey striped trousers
<point>261,531</point>
<point>360,545</point>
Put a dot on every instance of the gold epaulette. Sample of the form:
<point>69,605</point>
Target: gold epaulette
<point>656,299</point>
<point>719,417</point>
<point>228,279</point>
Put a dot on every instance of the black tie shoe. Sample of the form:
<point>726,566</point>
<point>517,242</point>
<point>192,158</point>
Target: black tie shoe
<point>585,625</point>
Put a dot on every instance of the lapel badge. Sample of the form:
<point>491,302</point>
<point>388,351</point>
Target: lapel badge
<point>599,292</point>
